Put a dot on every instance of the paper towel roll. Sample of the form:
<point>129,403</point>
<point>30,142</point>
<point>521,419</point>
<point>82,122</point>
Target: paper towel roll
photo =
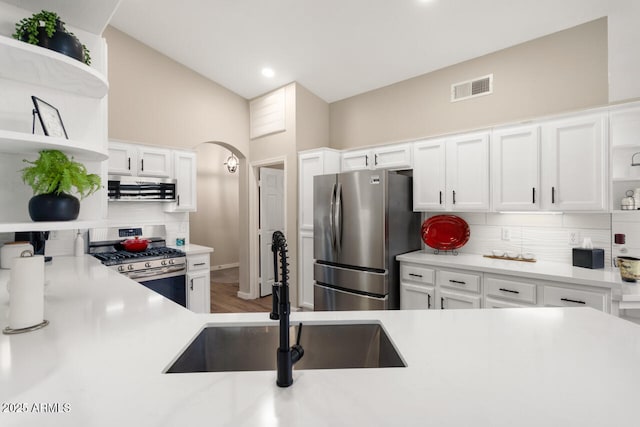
<point>26,299</point>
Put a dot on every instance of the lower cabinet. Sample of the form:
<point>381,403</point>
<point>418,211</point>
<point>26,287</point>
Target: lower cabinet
<point>427,287</point>
<point>198,283</point>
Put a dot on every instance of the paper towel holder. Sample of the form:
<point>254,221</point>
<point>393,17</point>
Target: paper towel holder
<point>11,331</point>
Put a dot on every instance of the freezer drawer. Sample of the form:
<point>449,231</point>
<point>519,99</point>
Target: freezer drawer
<point>350,279</point>
<point>330,299</point>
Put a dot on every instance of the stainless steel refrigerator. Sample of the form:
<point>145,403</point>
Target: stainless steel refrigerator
<point>362,220</point>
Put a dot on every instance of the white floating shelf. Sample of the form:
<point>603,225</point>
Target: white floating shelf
<point>6,227</point>
<point>33,64</point>
<point>26,143</point>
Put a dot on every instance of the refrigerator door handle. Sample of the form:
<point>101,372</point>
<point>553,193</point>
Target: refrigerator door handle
<point>338,218</point>
<point>332,225</point>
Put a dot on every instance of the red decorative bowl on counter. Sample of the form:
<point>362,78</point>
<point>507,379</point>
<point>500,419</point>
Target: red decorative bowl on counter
<point>135,245</point>
<point>445,232</point>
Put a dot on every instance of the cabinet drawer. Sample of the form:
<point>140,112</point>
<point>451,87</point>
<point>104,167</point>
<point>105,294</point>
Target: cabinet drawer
<point>198,262</point>
<point>562,297</point>
<point>510,289</point>
<point>416,274</point>
<point>456,280</point>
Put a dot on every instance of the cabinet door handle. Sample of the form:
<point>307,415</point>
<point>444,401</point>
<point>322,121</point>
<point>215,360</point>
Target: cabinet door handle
<point>441,197</point>
<point>553,194</point>
<point>534,195</point>
<point>191,284</point>
<point>458,282</point>
<point>366,160</point>
<point>375,159</point>
<point>199,263</point>
<point>572,300</point>
<point>454,197</point>
<point>415,275</point>
<point>509,290</point>
<point>428,300</point>
<point>142,164</point>
<point>441,303</point>
<point>129,163</point>
<point>178,200</point>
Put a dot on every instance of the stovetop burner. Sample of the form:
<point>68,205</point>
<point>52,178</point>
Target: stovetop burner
<point>119,257</point>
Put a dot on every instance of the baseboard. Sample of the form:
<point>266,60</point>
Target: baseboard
<point>244,295</point>
<point>225,266</point>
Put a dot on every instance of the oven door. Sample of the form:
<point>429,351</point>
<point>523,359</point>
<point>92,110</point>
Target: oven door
<point>170,285</point>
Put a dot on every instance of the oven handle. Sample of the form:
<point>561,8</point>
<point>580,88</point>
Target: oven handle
<point>154,274</point>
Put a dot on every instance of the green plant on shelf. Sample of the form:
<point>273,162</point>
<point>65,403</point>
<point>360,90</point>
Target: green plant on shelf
<point>54,172</point>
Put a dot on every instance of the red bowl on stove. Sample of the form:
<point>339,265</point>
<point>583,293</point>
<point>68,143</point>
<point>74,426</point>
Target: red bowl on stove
<point>135,245</point>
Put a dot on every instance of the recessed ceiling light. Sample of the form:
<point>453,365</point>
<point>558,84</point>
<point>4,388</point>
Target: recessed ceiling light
<point>268,72</point>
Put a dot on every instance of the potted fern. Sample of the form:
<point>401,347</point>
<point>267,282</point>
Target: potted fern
<point>52,177</point>
<point>45,29</point>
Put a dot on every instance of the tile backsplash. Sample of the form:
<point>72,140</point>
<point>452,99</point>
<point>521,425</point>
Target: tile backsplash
<point>549,237</point>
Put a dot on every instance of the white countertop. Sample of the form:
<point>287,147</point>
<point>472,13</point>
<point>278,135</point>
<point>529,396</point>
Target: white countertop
<point>192,249</point>
<point>110,340</point>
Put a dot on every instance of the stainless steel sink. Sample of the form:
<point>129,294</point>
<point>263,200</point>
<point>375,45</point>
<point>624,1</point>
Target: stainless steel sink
<point>253,348</point>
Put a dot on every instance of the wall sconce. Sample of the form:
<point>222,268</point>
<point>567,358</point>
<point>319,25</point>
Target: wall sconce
<point>232,163</point>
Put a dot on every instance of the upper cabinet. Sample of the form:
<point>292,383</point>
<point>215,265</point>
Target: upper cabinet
<point>139,160</point>
<point>184,171</point>
<point>311,163</point>
<point>624,131</point>
<point>515,168</point>
<point>452,173</point>
<point>396,156</point>
<point>574,164</point>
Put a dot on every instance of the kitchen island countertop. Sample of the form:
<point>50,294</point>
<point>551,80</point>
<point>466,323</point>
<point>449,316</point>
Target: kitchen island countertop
<point>100,363</point>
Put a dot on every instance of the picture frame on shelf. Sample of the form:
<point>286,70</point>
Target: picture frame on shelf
<point>50,118</point>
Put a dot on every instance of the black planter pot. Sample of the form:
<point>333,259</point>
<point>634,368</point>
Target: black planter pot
<point>52,207</point>
<point>61,42</point>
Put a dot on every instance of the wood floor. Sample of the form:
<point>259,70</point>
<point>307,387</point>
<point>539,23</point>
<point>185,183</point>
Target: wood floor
<point>224,295</point>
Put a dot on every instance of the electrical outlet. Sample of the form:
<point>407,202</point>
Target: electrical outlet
<point>574,237</point>
<point>506,234</point>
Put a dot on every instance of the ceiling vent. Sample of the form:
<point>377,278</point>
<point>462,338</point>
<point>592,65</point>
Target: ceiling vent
<point>472,88</point>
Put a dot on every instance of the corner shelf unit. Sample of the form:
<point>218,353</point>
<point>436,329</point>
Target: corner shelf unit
<point>25,143</point>
<point>36,65</point>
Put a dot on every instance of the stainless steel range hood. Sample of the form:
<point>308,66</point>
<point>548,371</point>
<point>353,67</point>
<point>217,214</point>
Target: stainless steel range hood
<point>141,189</point>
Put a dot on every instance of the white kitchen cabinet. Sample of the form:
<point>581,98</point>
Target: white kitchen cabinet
<point>574,164</point>
<point>468,172</point>
<point>417,287</point>
<point>184,171</point>
<point>198,283</point>
<point>498,303</point>
<point>429,175</point>
<point>458,289</point>
<point>139,160</point>
<point>624,128</point>
<point>306,269</point>
<point>558,296</point>
<point>451,300</point>
<point>396,156</point>
<point>515,168</point>
<point>310,163</point>
<point>452,173</point>
<point>498,287</point>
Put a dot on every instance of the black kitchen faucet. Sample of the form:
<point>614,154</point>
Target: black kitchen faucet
<point>281,308</point>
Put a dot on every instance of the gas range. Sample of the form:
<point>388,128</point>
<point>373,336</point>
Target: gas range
<point>156,262</point>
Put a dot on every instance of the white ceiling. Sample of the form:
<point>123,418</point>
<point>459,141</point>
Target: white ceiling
<point>339,48</point>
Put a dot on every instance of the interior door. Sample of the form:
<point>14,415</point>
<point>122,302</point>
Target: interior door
<point>271,220</point>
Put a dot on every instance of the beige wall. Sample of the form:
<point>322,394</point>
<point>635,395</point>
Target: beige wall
<point>560,72</point>
<point>312,120</point>
<point>155,100</point>
<point>216,223</point>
